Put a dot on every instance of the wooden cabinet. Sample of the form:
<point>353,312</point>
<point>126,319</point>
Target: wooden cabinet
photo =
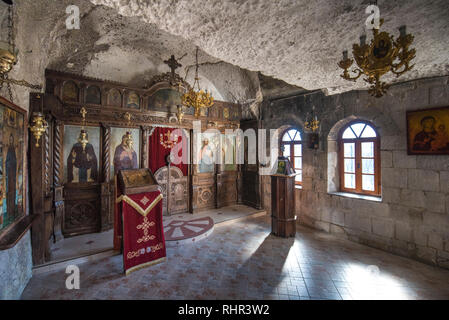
<point>283,217</point>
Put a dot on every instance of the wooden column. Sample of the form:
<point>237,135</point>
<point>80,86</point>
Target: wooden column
<point>37,190</point>
<point>58,178</point>
<point>107,214</point>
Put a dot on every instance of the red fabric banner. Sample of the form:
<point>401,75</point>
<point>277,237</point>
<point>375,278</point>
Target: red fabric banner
<point>143,234</point>
<point>161,143</point>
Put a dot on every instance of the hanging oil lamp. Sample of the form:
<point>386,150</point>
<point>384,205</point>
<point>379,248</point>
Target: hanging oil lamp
<point>83,138</point>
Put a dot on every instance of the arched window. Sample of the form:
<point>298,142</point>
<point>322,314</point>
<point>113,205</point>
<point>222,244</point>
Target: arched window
<point>291,147</point>
<point>359,159</point>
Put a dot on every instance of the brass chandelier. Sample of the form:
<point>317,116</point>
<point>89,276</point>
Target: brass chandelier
<point>382,55</point>
<point>199,99</point>
<point>313,124</point>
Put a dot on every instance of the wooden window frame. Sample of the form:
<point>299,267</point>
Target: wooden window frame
<point>292,151</point>
<point>358,161</point>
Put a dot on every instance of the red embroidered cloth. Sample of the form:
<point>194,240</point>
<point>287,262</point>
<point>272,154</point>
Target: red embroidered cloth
<point>161,144</point>
<point>142,230</point>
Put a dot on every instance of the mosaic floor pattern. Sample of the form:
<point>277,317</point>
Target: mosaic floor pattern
<point>243,261</point>
<point>176,230</point>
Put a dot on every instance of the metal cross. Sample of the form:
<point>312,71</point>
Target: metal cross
<point>173,64</point>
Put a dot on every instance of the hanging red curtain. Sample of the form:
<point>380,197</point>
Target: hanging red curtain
<point>161,143</point>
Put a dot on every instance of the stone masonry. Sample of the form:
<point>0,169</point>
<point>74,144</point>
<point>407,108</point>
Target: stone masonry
<point>412,218</point>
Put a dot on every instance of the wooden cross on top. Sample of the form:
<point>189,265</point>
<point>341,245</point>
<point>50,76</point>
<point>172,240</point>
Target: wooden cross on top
<point>173,64</point>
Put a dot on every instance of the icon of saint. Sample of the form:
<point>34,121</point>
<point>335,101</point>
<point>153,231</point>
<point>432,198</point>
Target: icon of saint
<point>82,165</point>
<point>206,157</point>
<point>11,178</point>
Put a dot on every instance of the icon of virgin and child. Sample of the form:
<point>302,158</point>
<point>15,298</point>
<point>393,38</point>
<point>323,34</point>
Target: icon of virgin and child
<point>431,137</point>
<point>125,157</point>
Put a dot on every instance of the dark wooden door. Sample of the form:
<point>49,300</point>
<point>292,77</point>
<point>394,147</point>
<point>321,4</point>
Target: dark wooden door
<point>82,213</point>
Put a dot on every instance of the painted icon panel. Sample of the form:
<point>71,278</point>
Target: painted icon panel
<point>12,150</point>
<point>125,149</point>
<point>81,154</point>
<point>428,131</point>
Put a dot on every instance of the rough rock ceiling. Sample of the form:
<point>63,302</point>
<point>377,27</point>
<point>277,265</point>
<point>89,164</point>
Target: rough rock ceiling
<point>113,47</point>
<point>299,42</point>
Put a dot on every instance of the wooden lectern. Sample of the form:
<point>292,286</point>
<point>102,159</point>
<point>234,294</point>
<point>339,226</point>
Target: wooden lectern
<point>138,228</point>
<point>283,217</point>
<point>137,181</point>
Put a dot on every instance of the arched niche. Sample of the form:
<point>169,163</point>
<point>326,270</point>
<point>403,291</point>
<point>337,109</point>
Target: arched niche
<point>93,95</point>
<point>114,98</point>
<point>70,91</point>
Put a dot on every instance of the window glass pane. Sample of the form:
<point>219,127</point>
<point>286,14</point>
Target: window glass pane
<point>368,166</point>
<point>298,163</point>
<point>350,165</point>
<point>292,134</point>
<point>298,177</point>
<point>298,150</point>
<point>286,137</point>
<point>349,150</point>
<point>349,181</point>
<point>369,132</point>
<point>286,151</point>
<point>367,149</point>
<point>367,182</point>
<point>348,134</point>
<point>358,127</point>
<point>298,136</point>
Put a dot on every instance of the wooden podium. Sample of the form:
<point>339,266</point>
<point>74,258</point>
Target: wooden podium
<point>138,227</point>
<point>283,217</point>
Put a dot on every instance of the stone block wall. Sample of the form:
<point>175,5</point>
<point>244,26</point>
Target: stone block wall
<point>412,219</point>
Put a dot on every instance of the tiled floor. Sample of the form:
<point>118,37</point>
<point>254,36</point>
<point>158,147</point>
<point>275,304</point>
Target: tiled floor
<point>218,215</point>
<point>243,261</point>
<point>81,245</point>
<point>98,242</point>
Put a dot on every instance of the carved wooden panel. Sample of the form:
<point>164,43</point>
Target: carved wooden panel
<point>178,197</point>
<point>82,212</point>
<point>115,99</point>
<point>251,189</point>
<point>204,192</point>
<point>226,189</point>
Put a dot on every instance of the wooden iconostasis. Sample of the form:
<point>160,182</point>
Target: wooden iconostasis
<point>72,183</point>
